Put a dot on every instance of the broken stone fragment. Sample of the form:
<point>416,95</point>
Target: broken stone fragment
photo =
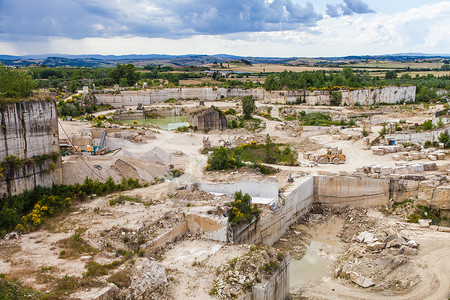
<point>12,236</point>
<point>412,244</point>
<point>361,280</point>
<point>424,223</point>
<point>396,243</point>
<point>365,237</point>
<point>407,251</point>
<point>376,246</point>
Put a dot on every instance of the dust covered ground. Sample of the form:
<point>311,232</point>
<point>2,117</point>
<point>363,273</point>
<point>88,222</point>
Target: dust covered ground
<point>98,243</point>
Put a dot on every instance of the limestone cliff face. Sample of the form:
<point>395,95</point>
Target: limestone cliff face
<point>28,146</point>
<point>367,96</point>
<point>208,120</point>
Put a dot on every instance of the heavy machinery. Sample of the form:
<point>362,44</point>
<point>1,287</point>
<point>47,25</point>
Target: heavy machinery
<point>101,149</point>
<point>333,156</point>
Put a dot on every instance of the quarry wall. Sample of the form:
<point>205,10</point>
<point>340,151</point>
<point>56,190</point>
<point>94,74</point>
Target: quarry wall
<point>417,137</point>
<point>331,191</point>
<point>268,228</point>
<point>264,189</point>
<point>29,147</point>
<point>278,285</point>
<point>354,191</point>
<point>367,96</point>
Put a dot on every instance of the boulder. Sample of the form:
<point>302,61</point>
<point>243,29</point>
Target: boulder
<point>416,168</point>
<point>386,171</point>
<point>377,151</point>
<point>396,243</point>
<point>424,223</point>
<point>365,237</point>
<point>147,276</point>
<point>109,292</point>
<point>376,246</point>
<point>441,197</point>
<point>407,251</point>
<point>430,166</point>
<point>432,157</point>
<point>12,236</point>
<point>361,280</point>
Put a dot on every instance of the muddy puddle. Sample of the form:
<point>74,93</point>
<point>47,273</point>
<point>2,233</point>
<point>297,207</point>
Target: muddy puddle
<point>313,266</point>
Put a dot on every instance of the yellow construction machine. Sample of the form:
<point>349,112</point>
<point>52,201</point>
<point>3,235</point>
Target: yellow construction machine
<point>333,156</point>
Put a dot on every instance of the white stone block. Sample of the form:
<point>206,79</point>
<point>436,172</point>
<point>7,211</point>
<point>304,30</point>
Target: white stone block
<point>432,157</point>
<point>377,151</point>
<point>401,170</point>
<point>430,166</point>
<point>416,168</point>
<point>386,171</point>
<point>415,155</point>
<point>396,157</point>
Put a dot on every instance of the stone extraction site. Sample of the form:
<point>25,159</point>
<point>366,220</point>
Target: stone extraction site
<point>362,227</point>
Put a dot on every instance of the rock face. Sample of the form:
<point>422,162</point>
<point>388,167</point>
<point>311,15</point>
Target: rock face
<point>390,94</point>
<point>208,120</point>
<point>147,277</point>
<point>30,133</point>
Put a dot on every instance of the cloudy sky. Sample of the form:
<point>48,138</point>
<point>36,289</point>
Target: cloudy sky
<point>240,27</point>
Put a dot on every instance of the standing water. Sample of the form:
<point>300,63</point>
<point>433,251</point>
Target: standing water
<point>311,267</point>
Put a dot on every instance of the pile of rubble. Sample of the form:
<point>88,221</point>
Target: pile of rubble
<point>401,168</point>
<point>407,154</point>
<point>237,277</point>
<point>376,260</point>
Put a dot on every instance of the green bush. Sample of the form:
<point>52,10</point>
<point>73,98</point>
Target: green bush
<point>224,159</point>
<point>242,211</point>
<point>32,208</point>
<point>427,125</point>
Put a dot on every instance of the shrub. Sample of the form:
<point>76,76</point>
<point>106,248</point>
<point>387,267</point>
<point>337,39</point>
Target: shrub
<point>427,125</point>
<point>121,279</point>
<point>30,209</point>
<point>224,159</point>
<point>248,106</point>
<point>242,210</point>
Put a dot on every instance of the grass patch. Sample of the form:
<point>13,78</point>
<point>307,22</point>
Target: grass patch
<point>74,247</point>
<point>316,119</point>
<point>266,170</point>
<point>425,212</point>
<point>94,269</point>
<point>12,290</point>
<point>121,279</point>
<point>122,199</point>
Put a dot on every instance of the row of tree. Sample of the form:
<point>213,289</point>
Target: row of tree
<point>349,78</point>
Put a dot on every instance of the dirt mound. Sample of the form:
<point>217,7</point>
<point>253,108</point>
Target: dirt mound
<point>125,170</point>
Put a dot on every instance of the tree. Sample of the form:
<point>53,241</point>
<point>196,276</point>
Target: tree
<point>269,150</point>
<point>15,84</point>
<point>248,106</point>
<point>127,71</point>
<point>390,75</point>
<point>444,138</point>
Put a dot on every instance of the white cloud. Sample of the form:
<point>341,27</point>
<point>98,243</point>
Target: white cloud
<point>423,29</point>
